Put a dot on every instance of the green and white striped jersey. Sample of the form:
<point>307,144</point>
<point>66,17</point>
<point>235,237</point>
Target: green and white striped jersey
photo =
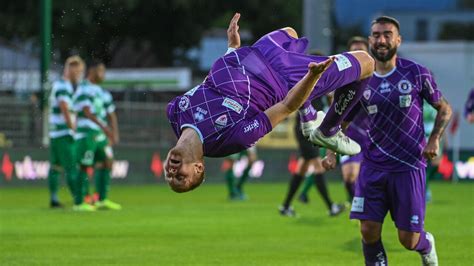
<point>109,106</point>
<point>62,91</point>
<point>88,94</point>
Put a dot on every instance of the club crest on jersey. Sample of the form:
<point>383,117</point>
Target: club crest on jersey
<point>385,87</point>
<point>404,86</point>
<point>232,105</point>
<point>221,121</point>
<point>405,101</point>
<point>183,103</point>
<point>367,94</point>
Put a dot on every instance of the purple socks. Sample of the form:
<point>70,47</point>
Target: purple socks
<point>345,98</point>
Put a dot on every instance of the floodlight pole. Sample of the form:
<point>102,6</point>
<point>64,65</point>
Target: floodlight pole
<point>45,31</point>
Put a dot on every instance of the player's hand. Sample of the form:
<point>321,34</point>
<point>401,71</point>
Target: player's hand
<point>319,68</point>
<point>233,36</point>
<point>431,149</point>
<point>329,161</point>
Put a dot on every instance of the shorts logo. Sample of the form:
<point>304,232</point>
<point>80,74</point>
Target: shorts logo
<point>251,126</point>
<point>415,219</point>
<point>342,62</point>
<point>367,94</point>
<point>372,109</point>
<point>384,87</point>
<point>343,101</point>
<point>183,103</point>
<point>221,121</point>
<point>357,204</point>
<point>404,86</point>
<point>308,110</point>
<point>233,105</point>
<point>405,101</point>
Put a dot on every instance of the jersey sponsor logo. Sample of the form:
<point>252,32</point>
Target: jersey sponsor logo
<point>405,101</point>
<point>192,91</point>
<point>183,103</point>
<point>367,94</point>
<point>404,86</point>
<point>232,105</point>
<point>372,109</point>
<point>342,62</point>
<point>344,101</point>
<point>427,85</point>
<point>385,87</point>
<point>357,204</point>
<point>415,219</point>
<point>253,125</point>
<point>221,121</point>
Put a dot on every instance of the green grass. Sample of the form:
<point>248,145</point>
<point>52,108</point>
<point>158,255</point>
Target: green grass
<point>158,227</point>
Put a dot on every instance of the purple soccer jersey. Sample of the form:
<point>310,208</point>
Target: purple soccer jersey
<point>393,107</point>
<point>227,109</point>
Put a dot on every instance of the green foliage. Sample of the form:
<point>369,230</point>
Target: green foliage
<point>100,28</point>
<point>160,227</point>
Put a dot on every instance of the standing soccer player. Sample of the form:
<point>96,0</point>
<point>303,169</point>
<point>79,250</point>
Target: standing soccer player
<point>236,191</point>
<point>62,127</point>
<point>308,156</point>
<point>103,164</point>
<point>92,135</point>
<point>392,174</point>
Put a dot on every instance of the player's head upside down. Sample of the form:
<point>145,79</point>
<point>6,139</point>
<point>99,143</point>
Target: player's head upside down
<point>184,166</point>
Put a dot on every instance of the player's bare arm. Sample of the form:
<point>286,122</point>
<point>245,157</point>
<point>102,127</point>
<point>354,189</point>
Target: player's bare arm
<point>298,94</point>
<point>63,106</point>
<point>113,122</point>
<point>442,119</point>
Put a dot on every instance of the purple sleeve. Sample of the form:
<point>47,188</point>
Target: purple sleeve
<point>247,132</point>
<point>429,88</point>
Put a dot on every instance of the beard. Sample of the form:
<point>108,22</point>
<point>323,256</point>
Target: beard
<point>391,51</point>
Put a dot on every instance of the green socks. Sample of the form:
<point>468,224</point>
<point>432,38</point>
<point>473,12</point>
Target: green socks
<point>102,182</point>
<point>53,183</point>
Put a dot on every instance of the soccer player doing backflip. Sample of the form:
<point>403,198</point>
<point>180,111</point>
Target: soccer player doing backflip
<point>250,90</point>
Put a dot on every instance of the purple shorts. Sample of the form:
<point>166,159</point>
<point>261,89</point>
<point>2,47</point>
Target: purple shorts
<point>401,193</point>
<point>287,56</point>
<point>352,158</point>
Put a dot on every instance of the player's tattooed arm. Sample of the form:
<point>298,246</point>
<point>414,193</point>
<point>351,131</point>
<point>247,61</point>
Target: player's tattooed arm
<point>442,118</point>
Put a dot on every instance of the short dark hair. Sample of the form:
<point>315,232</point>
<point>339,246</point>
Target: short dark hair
<point>357,39</point>
<point>91,64</point>
<point>387,19</point>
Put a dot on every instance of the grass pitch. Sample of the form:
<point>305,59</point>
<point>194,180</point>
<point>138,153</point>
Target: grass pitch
<point>159,227</point>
